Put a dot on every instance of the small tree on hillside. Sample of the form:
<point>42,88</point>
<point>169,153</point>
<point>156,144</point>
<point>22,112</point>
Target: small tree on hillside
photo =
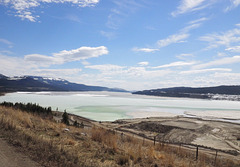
<point>76,124</point>
<point>65,118</point>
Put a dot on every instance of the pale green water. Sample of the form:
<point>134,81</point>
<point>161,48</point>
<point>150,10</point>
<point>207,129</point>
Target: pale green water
<point>109,106</point>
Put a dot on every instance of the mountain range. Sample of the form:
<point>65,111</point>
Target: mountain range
<point>219,92</point>
<point>37,83</point>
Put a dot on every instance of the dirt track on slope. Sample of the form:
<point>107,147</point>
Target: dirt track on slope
<point>11,157</point>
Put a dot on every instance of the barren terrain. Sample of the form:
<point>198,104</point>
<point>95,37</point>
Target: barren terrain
<point>215,135</point>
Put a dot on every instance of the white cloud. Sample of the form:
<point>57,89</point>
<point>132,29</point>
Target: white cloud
<point>184,56</point>
<point>64,56</point>
<point>225,78</point>
<point>176,64</point>
<point>190,27</point>
<point>137,78</point>
<point>238,25</point>
<point>127,77</point>
<point>141,73</point>
<point>14,65</point>
<point>232,78</point>
<point>123,9</point>
<point>147,50</point>
<point>27,15</point>
<point>84,62</point>
<point>10,44</point>
<point>221,54</point>
<point>23,7</point>
<point>234,4</point>
<point>73,18</point>
<point>7,52</point>
<point>152,28</point>
<point>176,38</point>
<point>206,70</point>
<point>32,64</point>
<point>143,63</point>
<point>127,73</point>
<point>193,24</point>
<point>105,67</point>
<point>109,35</point>
<point>42,60</point>
<point>223,61</point>
<point>179,37</point>
<point>190,6</point>
<point>202,19</point>
<point>226,38</point>
<point>233,49</point>
<point>81,53</point>
<point>56,73</point>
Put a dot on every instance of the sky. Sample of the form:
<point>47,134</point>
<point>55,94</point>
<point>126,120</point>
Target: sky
<point>129,44</point>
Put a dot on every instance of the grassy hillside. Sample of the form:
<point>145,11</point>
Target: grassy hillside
<point>56,144</point>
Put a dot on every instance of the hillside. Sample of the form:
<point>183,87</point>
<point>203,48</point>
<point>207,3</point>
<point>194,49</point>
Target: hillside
<point>218,92</point>
<point>51,143</point>
<point>36,83</point>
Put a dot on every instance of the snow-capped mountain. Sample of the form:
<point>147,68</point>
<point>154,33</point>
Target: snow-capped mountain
<point>37,83</point>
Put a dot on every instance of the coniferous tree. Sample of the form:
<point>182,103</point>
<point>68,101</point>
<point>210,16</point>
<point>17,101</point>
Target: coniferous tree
<point>65,118</point>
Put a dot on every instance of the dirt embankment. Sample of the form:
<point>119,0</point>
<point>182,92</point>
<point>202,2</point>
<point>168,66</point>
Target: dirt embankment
<point>217,135</point>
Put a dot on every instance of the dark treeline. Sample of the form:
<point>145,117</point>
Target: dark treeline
<point>29,107</point>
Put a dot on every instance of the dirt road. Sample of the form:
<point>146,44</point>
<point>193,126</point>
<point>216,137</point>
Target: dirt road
<point>10,157</point>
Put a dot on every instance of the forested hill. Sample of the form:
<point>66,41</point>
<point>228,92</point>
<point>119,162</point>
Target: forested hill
<point>218,92</point>
<point>36,83</point>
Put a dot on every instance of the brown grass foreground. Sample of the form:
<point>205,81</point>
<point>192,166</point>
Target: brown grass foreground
<point>50,144</point>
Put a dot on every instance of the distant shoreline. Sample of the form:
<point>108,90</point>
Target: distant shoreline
<point>2,93</point>
<point>203,97</point>
<point>148,95</point>
<point>224,97</point>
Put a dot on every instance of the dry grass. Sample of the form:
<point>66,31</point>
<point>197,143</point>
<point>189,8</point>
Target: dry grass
<point>47,142</point>
<point>106,137</point>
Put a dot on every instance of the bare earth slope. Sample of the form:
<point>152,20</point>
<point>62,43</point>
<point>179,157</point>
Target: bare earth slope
<point>10,157</point>
<point>218,135</point>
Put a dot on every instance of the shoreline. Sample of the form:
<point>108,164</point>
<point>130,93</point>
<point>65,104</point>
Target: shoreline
<point>149,96</point>
<point>228,115</point>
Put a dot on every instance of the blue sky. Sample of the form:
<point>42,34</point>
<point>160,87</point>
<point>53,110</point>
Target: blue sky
<point>130,44</point>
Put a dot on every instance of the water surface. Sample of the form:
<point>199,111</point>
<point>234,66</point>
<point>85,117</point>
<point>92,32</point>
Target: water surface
<point>109,106</point>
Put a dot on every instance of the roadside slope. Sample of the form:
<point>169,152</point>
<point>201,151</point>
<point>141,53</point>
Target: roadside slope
<point>11,157</point>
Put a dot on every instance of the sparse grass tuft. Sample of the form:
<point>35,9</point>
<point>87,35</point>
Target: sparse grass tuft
<point>122,160</point>
<point>106,137</point>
